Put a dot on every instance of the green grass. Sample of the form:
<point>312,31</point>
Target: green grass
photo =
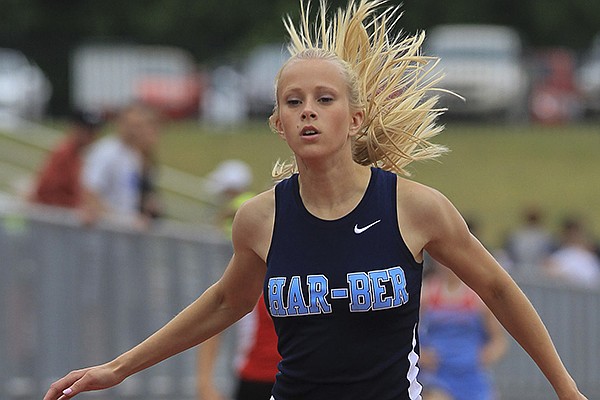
<point>491,173</point>
<point>198,149</point>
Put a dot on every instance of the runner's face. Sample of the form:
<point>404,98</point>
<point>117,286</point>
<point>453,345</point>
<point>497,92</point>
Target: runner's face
<point>314,116</point>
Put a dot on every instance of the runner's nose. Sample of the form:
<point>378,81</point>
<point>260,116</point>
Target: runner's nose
<point>308,112</point>
<point>311,115</point>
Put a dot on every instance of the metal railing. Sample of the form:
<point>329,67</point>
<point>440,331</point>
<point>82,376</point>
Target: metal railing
<point>572,316</point>
<point>72,296</point>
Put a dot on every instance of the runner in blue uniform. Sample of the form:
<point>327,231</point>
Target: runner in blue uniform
<point>337,245</point>
<point>345,302</point>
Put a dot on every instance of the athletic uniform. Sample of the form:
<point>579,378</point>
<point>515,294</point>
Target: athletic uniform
<point>453,327</point>
<point>344,297</point>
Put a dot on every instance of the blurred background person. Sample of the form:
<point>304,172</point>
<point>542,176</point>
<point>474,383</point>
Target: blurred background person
<point>256,356</point>
<point>59,181</point>
<point>256,359</point>
<point>528,245</point>
<point>151,205</point>
<point>575,261</point>
<point>114,168</point>
<point>229,183</point>
<point>460,339</point>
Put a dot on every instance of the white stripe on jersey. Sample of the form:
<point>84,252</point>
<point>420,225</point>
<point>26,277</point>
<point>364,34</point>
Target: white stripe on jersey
<point>414,388</point>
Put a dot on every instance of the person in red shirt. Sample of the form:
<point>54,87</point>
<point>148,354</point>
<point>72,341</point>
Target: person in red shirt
<point>256,355</point>
<point>59,182</point>
<point>256,359</point>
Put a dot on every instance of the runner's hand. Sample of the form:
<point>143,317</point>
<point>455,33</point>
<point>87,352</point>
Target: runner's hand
<point>83,380</point>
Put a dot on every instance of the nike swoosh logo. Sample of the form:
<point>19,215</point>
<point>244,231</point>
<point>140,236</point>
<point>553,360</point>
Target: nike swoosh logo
<point>358,230</point>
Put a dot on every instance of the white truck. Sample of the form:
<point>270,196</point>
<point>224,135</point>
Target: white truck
<point>484,65</point>
<point>106,77</point>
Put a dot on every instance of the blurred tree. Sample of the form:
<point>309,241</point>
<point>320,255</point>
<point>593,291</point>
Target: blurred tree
<point>224,30</point>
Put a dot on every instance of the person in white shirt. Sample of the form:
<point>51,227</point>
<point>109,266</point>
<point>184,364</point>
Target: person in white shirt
<point>575,261</point>
<point>112,170</point>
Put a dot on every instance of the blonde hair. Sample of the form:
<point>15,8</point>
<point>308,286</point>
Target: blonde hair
<point>387,76</point>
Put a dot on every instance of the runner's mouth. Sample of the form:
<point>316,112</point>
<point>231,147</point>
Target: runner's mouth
<point>309,131</point>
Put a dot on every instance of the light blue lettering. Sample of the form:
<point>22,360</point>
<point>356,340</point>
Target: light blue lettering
<point>398,279</point>
<point>318,287</point>
<point>276,306</point>
<point>340,293</point>
<point>360,296</point>
<point>377,278</point>
<point>373,290</point>
<point>296,305</point>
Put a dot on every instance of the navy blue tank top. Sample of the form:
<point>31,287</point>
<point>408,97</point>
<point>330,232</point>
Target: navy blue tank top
<point>344,297</point>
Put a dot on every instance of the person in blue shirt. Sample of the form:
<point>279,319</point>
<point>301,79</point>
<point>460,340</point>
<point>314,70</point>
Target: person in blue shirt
<point>337,246</point>
<point>460,338</point>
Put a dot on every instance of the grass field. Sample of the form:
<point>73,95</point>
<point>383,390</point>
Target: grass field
<point>491,173</point>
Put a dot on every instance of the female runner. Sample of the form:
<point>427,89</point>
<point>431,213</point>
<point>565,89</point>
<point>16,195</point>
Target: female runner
<point>337,245</point>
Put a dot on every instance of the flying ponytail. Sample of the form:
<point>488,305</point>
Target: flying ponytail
<point>388,77</point>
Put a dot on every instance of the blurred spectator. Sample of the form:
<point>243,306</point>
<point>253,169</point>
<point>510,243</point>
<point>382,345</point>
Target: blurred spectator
<point>575,261</point>
<point>151,205</point>
<point>460,339</point>
<point>256,356</point>
<point>59,181</point>
<point>230,182</point>
<point>114,167</point>
<point>528,246</point>
<point>555,98</point>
